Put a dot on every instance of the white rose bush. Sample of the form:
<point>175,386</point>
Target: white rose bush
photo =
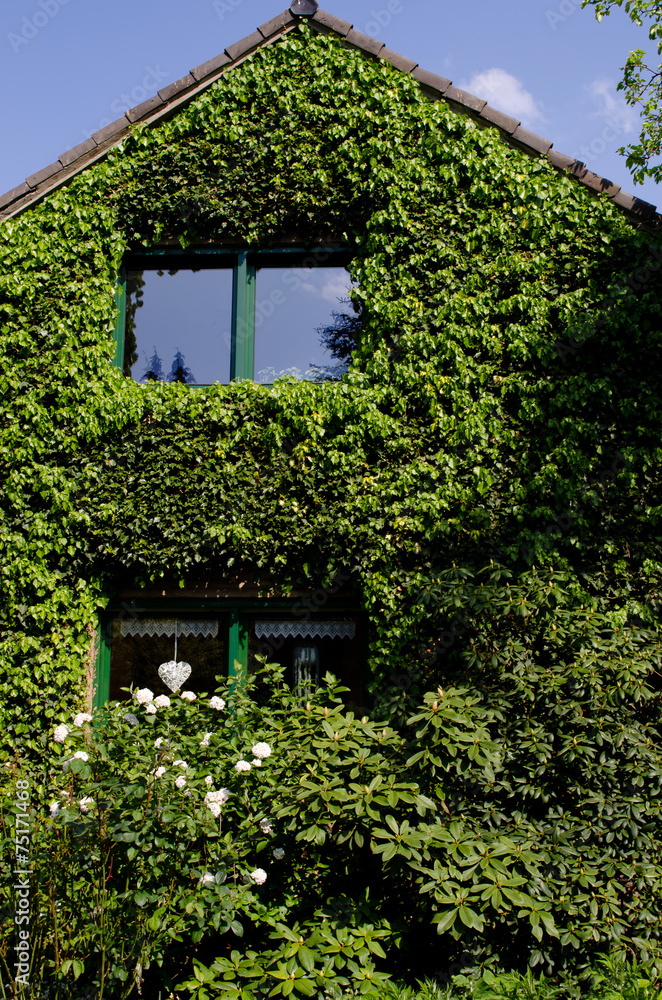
<point>206,873</point>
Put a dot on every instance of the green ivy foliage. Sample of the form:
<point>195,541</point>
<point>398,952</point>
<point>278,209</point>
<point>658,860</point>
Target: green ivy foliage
<point>487,473</point>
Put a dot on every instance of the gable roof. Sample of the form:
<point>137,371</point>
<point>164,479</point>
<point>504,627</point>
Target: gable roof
<point>171,98</point>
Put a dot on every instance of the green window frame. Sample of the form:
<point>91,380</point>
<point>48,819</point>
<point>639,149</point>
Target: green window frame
<point>237,637</point>
<point>236,615</point>
<point>245,265</point>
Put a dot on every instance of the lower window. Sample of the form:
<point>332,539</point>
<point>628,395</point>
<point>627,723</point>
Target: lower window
<point>187,650</point>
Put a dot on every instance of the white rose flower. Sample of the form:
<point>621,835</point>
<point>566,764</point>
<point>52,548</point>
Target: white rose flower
<point>144,696</point>
<point>261,750</point>
<point>205,741</point>
<point>188,695</point>
<point>150,709</point>
<point>158,772</point>
<point>207,879</point>
<point>162,701</point>
<point>214,809</point>
<point>80,755</point>
<point>181,763</point>
<point>217,703</point>
<point>266,825</point>
<point>158,743</point>
<point>259,876</point>
<point>61,733</point>
<point>279,854</point>
<point>256,762</point>
<point>54,809</point>
<point>242,765</point>
<point>209,780</point>
<point>221,797</point>
<point>130,718</point>
<point>85,804</point>
<point>181,781</point>
<point>81,719</point>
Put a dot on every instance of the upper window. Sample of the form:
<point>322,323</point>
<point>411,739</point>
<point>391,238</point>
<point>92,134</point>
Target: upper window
<point>206,316</point>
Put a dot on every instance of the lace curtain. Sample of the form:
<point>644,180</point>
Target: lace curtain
<point>166,627</point>
<point>305,630</point>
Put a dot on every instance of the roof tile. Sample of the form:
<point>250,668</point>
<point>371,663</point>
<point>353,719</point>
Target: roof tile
<point>636,205</point>
<point>209,67</point>
<point>142,110</point>
<point>246,44</point>
<point>599,183</point>
<point>14,194</point>
<point>270,28</point>
<point>111,130</point>
<point>365,42</point>
<point>75,154</point>
<point>565,162</point>
<point>400,62</point>
<point>431,80</point>
<point>465,99</point>
<point>333,22</point>
<point>500,119</point>
<point>42,175</point>
<point>176,88</point>
<point>532,140</point>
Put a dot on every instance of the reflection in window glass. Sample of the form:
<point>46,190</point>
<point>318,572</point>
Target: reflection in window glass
<point>293,309</point>
<point>179,326</point>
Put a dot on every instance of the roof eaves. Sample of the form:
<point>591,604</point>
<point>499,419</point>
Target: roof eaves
<point>170,99</point>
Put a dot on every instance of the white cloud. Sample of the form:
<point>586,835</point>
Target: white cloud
<point>611,105</point>
<point>505,92</point>
<point>335,288</point>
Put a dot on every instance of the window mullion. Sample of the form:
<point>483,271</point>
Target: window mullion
<point>243,319</point>
<point>120,325</point>
<point>102,673</point>
<point>237,646</point>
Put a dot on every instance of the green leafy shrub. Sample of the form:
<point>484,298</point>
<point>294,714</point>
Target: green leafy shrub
<point>339,853</point>
<point>613,978</point>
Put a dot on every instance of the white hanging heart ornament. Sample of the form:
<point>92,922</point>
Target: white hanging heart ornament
<point>174,674</point>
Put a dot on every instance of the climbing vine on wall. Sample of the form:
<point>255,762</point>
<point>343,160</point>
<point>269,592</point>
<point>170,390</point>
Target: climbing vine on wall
<point>487,473</point>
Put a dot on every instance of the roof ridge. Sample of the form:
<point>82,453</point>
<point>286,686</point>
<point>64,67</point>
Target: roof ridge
<point>170,98</point>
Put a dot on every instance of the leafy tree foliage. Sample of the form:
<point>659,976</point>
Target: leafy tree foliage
<point>642,86</point>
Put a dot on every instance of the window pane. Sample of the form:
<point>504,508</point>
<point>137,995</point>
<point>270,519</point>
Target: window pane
<point>292,309</point>
<point>135,658</point>
<point>308,648</point>
<point>178,326</point>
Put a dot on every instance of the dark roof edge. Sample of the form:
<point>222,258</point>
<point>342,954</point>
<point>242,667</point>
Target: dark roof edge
<point>170,99</point>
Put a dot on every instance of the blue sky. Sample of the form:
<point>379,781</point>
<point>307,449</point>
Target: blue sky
<point>67,67</point>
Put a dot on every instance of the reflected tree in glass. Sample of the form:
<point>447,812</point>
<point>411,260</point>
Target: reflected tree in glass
<point>154,370</point>
<point>179,372</point>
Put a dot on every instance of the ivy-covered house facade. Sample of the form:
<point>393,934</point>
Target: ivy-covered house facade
<point>316,357</point>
